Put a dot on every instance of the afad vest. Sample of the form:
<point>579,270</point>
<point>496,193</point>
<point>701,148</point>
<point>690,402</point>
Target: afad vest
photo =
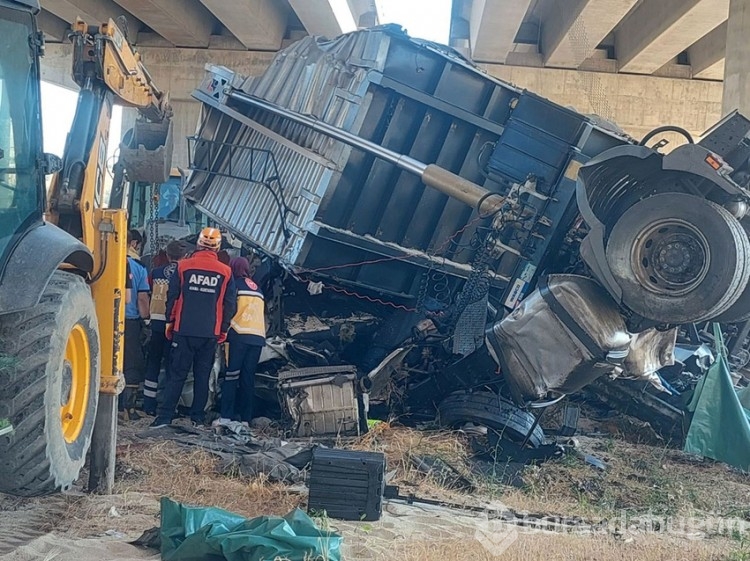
<point>250,318</point>
<point>159,287</point>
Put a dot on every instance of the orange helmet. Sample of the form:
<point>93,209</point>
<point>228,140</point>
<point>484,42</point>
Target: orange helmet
<point>210,238</point>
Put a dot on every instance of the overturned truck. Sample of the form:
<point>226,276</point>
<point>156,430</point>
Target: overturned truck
<point>509,250</point>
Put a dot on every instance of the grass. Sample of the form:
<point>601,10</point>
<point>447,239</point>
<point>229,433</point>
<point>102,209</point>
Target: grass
<point>639,479</point>
<point>191,477</point>
<point>557,547</point>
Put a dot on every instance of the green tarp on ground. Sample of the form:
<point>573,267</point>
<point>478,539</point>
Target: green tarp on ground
<point>720,428</point>
<point>212,534</point>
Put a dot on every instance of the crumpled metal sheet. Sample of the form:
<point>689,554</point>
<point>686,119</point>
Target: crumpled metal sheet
<point>650,351</point>
<point>250,209</point>
<point>325,79</point>
<point>540,352</point>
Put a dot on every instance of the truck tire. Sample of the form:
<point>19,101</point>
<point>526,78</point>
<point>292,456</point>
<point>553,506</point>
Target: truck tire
<point>679,258</point>
<point>50,391</point>
<point>740,310</point>
<point>492,411</point>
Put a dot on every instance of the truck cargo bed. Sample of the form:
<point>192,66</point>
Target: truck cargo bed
<point>351,217</point>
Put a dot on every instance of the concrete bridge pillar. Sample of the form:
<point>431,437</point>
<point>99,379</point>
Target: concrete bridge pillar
<point>737,64</point>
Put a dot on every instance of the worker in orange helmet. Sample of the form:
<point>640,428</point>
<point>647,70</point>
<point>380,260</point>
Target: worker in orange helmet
<point>201,302</point>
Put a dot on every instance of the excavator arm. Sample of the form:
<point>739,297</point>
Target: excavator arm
<point>108,71</point>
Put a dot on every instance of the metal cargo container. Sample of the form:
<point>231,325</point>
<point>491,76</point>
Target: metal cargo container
<point>333,211</point>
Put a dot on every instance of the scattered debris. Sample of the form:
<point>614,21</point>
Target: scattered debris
<point>442,472</point>
<point>151,539</point>
<point>115,534</point>
<point>239,451</point>
<point>466,298</point>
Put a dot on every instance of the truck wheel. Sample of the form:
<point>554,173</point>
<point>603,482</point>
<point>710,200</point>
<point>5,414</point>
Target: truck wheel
<point>740,310</point>
<point>492,411</point>
<point>49,393</point>
<point>679,258</point>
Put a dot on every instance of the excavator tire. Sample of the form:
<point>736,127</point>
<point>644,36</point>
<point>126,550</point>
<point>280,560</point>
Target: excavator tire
<point>50,390</point>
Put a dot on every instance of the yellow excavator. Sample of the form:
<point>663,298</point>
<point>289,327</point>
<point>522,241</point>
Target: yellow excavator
<point>63,253</point>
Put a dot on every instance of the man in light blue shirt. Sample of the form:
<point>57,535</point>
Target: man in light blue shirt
<point>136,314</point>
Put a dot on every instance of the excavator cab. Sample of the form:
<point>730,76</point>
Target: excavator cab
<point>162,212</point>
<point>21,179</point>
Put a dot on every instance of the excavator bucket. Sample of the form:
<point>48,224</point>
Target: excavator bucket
<point>148,156</point>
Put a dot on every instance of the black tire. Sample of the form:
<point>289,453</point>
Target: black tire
<point>679,258</point>
<point>740,310</point>
<point>36,459</point>
<point>492,411</point>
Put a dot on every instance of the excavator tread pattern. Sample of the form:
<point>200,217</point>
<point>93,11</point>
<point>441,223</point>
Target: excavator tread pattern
<point>492,411</point>
<point>29,466</point>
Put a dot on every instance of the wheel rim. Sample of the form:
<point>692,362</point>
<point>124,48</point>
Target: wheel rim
<point>76,384</point>
<point>670,257</point>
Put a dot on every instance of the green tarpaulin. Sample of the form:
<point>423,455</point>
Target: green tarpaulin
<point>720,428</point>
<point>212,534</point>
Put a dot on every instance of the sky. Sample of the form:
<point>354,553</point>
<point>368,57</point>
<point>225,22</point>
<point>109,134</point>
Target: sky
<point>426,19</point>
<point>58,109</point>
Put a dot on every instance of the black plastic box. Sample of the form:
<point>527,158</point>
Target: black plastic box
<point>347,485</point>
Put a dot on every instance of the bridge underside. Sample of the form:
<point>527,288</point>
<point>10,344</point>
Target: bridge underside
<point>640,63</point>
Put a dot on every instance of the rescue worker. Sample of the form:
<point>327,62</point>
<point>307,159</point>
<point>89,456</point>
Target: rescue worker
<point>246,338</point>
<point>201,302</point>
<point>136,314</point>
<point>158,350</point>
<point>224,257</point>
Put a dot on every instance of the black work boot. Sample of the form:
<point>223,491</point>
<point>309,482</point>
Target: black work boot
<point>127,404</point>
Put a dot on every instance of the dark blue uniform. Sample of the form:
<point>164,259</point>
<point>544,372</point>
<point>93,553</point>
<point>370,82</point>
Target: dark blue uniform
<point>201,302</point>
<point>247,337</point>
<point>158,349</point>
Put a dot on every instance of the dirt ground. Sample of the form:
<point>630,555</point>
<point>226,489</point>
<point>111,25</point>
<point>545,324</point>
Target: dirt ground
<point>651,503</point>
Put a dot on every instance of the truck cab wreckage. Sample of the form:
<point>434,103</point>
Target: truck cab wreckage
<point>507,251</point>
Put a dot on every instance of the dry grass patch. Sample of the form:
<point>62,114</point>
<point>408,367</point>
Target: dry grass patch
<point>639,478</point>
<point>190,476</point>
<point>554,547</point>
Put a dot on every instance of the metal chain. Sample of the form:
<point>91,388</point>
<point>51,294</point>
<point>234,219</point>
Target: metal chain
<point>153,233</point>
<point>479,280</point>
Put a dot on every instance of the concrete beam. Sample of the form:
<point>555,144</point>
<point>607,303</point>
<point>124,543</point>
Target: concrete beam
<point>325,17</point>
<point>658,30</point>
<point>713,72</point>
<point>184,23</point>
<point>737,66</point>
<point>707,54</point>
<point>219,42</point>
<point>57,65</point>
<point>365,12</point>
<point>258,24</point>
<point>493,27</point>
<point>54,28</point>
<point>637,103</point>
<point>93,12</point>
<point>572,30</point>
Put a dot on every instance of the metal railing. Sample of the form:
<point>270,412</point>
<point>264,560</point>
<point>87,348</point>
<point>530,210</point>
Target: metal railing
<point>257,166</point>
